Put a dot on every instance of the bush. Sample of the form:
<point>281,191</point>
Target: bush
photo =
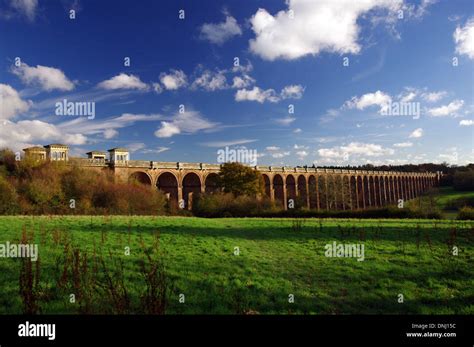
<point>8,197</point>
<point>466,213</point>
<point>48,187</point>
<point>464,180</point>
<point>459,203</point>
<point>227,205</point>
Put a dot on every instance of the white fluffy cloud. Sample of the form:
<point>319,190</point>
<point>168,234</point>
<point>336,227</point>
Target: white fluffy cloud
<point>464,38</point>
<point>244,81</point>
<point>210,81</point>
<point>11,103</point>
<point>260,95</point>
<point>188,122</point>
<point>446,110</point>
<point>466,122</point>
<point>28,132</point>
<point>256,94</point>
<point>292,92</point>
<point>309,27</point>
<point>48,78</point>
<point>123,81</point>
<point>174,80</point>
<point>220,32</point>
<point>167,129</point>
<point>378,98</point>
<point>417,133</point>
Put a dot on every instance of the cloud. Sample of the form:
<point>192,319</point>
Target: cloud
<point>292,92</point>
<point>356,149</point>
<point>84,126</point>
<point>243,68</point>
<point>257,94</point>
<point>220,32</point>
<point>174,80</point>
<point>167,130</point>
<point>403,144</point>
<point>434,96</point>
<point>447,110</point>
<point>155,151</point>
<point>133,147</point>
<point>26,7</point>
<point>157,88</point>
<point>301,154</point>
<point>312,27</point>
<point>378,98</point>
<point>466,122</point>
<point>244,81</point>
<point>227,143</point>
<point>417,133</point>
<point>408,96</point>
<point>188,122</point>
<point>297,131</point>
<point>26,133</point>
<point>464,39</point>
<point>123,81</point>
<point>48,78</point>
<point>11,103</point>
<point>276,152</point>
<point>210,81</point>
<point>285,120</point>
<point>110,133</point>
<point>260,95</point>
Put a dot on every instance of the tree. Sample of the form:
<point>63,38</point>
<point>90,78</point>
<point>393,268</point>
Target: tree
<point>464,180</point>
<point>239,179</point>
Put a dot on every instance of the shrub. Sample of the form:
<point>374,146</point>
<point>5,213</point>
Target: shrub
<point>8,197</point>
<point>459,203</point>
<point>227,205</point>
<point>464,180</point>
<point>466,213</point>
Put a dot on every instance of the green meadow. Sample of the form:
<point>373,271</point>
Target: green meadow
<point>188,265</point>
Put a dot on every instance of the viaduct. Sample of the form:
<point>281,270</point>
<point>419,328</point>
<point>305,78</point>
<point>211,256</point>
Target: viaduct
<point>315,188</point>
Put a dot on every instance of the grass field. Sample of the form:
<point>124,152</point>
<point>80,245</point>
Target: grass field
<point>276,258</point>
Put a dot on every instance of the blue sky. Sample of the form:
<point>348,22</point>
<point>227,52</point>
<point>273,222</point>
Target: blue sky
<point>343,66</point>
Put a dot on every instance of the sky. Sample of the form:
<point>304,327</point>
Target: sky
<point>299,82</point>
